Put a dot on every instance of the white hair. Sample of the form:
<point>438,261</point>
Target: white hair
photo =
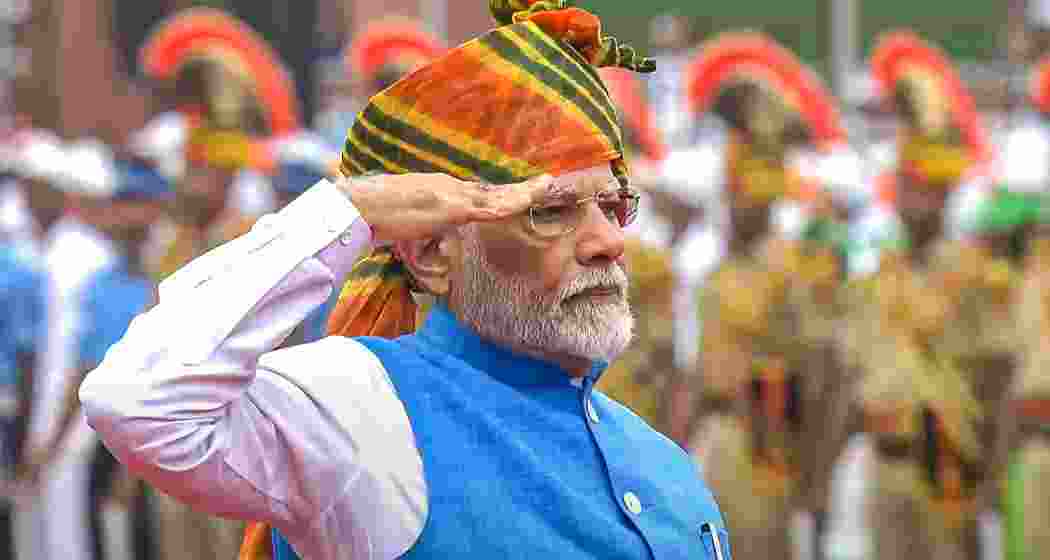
<point>509,310</point>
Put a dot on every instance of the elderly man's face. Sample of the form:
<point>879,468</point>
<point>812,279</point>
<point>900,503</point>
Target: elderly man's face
<point>565,295</point>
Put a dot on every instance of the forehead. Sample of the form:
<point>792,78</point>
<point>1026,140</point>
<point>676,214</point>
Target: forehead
<point>599,177</point>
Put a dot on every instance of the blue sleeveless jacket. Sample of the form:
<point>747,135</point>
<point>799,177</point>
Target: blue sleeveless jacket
<point>522,463</point>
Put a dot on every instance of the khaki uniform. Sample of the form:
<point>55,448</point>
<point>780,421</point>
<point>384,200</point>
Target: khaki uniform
<point>747,440</point>
<point>819,302</point>
<point>1028,499</point>
<point>928,345</point>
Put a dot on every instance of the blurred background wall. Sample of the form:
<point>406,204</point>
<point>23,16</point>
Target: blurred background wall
<point>95,41</point>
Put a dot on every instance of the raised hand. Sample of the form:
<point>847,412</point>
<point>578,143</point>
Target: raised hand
<point>420,205</point>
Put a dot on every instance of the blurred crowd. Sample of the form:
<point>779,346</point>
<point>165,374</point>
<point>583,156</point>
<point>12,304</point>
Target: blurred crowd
<point>843,324</point>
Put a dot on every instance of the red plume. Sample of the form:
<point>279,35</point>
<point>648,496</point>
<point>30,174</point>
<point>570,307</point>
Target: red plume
<point>626,92</point>
<point>900,50</point>
<point>1040,85</point>
<point>384,41</point>
<point>207,31</point>
<point>758,57</point>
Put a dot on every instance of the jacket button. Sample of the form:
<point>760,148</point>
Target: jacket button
<point>630,501</point>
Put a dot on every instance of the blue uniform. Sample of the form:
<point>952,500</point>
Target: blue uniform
<point>23,300</point>
<point>109,301</point>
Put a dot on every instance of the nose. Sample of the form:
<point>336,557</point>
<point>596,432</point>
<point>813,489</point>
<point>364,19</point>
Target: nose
<point>599,240</point>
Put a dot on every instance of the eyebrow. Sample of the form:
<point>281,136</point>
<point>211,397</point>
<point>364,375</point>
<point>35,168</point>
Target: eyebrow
<point>582,189</point>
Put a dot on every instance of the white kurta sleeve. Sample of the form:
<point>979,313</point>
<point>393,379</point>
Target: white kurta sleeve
<point>183,400</point>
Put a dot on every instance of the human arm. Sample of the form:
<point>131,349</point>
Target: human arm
<point>190,403</point>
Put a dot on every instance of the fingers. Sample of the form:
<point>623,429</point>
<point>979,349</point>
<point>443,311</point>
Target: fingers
<point>495,202</point>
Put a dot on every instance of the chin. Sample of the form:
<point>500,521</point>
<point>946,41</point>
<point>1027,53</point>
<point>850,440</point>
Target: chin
<point>595,332</point>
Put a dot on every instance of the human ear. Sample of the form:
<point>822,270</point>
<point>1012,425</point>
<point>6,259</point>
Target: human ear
<point>429,262</point>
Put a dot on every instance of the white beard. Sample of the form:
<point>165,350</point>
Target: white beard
<point>508,311</point>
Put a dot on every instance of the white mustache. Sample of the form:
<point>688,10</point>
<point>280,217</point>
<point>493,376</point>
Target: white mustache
<point>611,277</point>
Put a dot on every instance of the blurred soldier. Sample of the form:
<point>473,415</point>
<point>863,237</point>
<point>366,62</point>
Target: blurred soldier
<point>123,208</point>
<point>22,315</point>
<point>913,339</point>
<point>36,160</point>
<point>751,395</point>
<point>1026,175</point>
<point>71,250</point>
<point>235,97</point>
<point>379,55</point>
<point>672,40</point>
<point>818,302</point>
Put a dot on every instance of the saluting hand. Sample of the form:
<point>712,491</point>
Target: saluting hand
<point>420,205</point>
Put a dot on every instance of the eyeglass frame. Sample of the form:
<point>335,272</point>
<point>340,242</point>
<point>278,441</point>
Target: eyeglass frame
<point>623,192</point>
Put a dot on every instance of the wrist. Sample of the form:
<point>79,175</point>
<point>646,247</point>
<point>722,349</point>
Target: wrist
<point>355,191</point>
<point>350,186</point>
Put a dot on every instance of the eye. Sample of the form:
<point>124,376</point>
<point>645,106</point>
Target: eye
<point>613,210</point>
<point>621,208</point>
<point>550,214</point>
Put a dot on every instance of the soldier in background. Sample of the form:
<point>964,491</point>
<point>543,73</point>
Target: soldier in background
<point>909,334</point>
<point>1025,175</point>
<point>128,200</point>
<point>750,399</point>
<point>818,300</point>
<point>671,38</point>
<point>71,248</point>
<point>233,97</point>
<point>22,320</point>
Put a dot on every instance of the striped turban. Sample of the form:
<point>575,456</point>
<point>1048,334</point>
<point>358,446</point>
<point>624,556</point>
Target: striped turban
<point>522,100</point>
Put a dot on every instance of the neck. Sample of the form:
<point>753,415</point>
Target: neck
<point>922,242</point>
<point>574,366</point>
<point>133,254</point>
<point>743,241</point>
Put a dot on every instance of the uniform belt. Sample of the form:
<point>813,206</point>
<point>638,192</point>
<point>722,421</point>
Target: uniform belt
<point>1033,410</point>
<point>1033,416</point>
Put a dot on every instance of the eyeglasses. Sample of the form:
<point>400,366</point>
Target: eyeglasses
<point>620,207</point>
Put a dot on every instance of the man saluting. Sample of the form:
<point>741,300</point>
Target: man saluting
<point>492,179</point>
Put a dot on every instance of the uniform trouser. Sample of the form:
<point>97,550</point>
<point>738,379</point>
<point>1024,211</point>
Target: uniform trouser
<point>759,522</point>
<point>119,531</point>
<point>1029,516</point>
<point>7,530</point>
<point>903,524</point>
<point>103,470</point>
<point>186,534</point>
<point>54,524</point>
